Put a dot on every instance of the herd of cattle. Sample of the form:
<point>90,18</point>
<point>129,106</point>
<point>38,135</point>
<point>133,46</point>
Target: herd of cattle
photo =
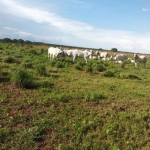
<point>55,52</point>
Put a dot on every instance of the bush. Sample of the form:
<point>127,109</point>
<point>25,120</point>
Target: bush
<point>99,67</point>
<point>22,79</point>
<point>128,76</point>
<point>9,59</point>
<point>88,68</point>
<point>59,64</point>
<point>78,66</point>
<point>108,73</point>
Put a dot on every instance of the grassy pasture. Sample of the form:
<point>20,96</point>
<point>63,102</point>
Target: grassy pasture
<point>60,105</point>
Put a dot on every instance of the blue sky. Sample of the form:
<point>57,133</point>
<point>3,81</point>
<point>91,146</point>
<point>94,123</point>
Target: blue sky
<point>121,24</point>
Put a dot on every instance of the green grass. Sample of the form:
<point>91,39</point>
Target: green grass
<point>97,106</point>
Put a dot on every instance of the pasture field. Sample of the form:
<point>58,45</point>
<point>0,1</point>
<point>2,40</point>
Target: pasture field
<point>58,105</point>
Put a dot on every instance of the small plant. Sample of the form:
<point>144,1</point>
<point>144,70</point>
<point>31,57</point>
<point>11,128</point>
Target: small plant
<point>28,136</point>
<point>46,84</point>
<point>59,64</point>
<point>52,63</point>
<point>61,97</point>
<point>4,132</point>
<point>27,65</point>
<point>41,70</point>
<point>22,79</point>
<point>123,64</point>
<point>93,97</point>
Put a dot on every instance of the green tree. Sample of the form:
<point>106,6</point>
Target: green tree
<point>114,50</point>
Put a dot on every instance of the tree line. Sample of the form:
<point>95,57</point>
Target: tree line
<point>21,41</point>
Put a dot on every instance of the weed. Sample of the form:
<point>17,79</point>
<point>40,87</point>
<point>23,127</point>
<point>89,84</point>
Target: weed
<point>41,70</point>
<point>93,97</point>
<point>4,132</point>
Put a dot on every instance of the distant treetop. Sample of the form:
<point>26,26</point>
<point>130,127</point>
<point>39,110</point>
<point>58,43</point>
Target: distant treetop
<point>114,50</point>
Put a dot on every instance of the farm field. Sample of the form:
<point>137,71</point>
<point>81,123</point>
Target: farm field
<point>59,105</point>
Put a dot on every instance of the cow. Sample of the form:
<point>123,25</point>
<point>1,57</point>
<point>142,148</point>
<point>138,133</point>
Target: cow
<point>54,52</point>
<point>78,53</point>
<point>119,57</point>
<point>102,55</point>
<point>131,60</point>
<point>140,59</point>
<point>85,54</point>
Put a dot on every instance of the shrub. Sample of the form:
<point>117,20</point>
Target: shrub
<point>59,64</point>
<point>99,67</point>
<point>9,59</point>
<point>108,73</point>
<point>52,63</point>
<point>88,68</point>
<point>34,52</point>
<point>128,76</point>
<point>22,79</point>
<point>4,133</point>
<point>78,66</point>
<point>132,76</point>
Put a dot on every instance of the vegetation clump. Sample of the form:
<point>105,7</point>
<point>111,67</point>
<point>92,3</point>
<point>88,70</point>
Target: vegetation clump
<point>22,79</point>
<point>9,59</point>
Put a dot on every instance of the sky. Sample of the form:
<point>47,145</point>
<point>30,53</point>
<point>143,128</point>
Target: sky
<point>106,24</point>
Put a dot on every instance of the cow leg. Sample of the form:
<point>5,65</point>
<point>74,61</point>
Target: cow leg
<point>136,65</point>
<point>74,58</point>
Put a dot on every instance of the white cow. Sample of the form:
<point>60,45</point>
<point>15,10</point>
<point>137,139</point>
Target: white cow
<point>54,52</point>
<point>85,54</point>
<point>119,57</point>
<point>78,53</point>
<point>131,60</point>
<point>102,55</point>
<point>71,53</point>
<point>140,59</point>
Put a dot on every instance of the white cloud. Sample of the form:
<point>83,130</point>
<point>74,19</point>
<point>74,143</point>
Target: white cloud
<point>81,3</point>
<point>145,9</point>
<point>71,32</point>
<point>18,32</point>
